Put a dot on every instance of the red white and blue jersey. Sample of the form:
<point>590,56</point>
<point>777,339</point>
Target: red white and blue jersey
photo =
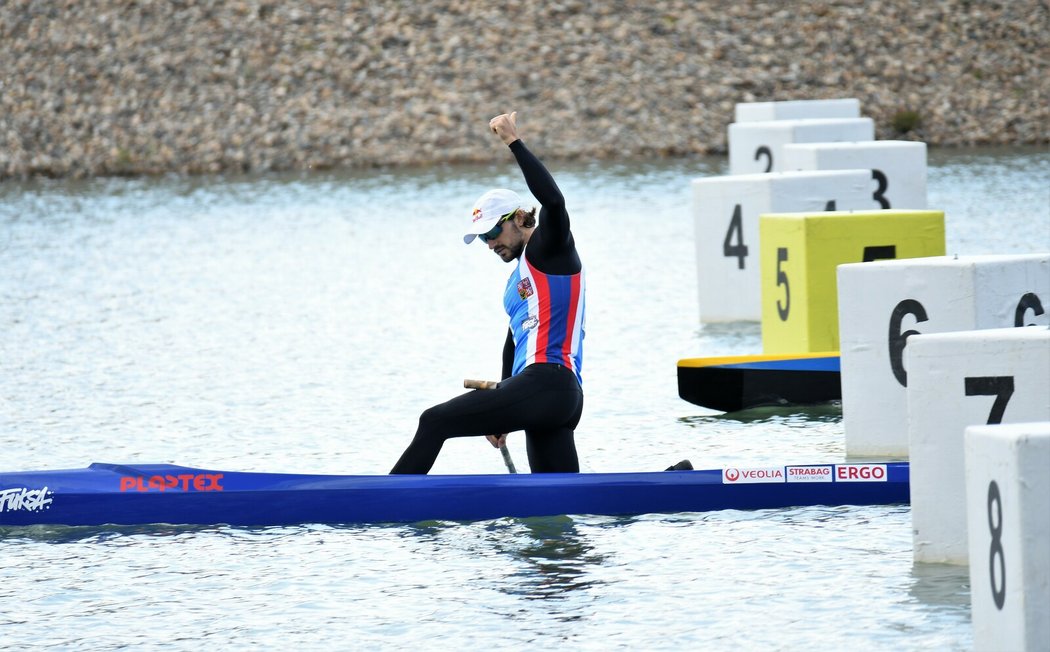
<point>546,317</point>
<point>544,295</point>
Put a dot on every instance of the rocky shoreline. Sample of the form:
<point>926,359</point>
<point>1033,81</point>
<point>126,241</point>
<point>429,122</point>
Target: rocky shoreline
<point>147,87</point>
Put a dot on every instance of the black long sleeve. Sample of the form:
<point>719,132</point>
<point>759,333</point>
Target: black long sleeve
<point>552,248</point>
<point>508,356</point>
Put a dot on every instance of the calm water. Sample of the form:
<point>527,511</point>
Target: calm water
<point>301,323</point>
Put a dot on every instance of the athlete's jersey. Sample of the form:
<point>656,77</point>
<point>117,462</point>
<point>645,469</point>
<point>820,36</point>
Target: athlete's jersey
<point>544,295</point>
<point>546,317</point>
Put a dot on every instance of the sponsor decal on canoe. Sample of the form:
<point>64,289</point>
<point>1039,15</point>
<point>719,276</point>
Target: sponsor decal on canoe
<point>860,473</point>
<point>733,475</point>
<point>812,473</point>
<point>180,482</point>
<point>25,499</point>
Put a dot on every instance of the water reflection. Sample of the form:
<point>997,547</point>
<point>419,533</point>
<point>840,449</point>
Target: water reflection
<point>830,412</point>
<point>553,556</point>
<point>545,558</point>
<point>550,554</point>
<point>59,534</point>
<point>941,586</point>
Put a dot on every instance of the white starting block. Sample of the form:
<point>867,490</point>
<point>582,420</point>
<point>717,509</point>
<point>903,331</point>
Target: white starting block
<point>758,146</point>
<point>898,167</point>
<point>883,302</point>
<point>725,212</point>
<point>957,380</point>
<point>1008,514</point>
<point>797,110</point>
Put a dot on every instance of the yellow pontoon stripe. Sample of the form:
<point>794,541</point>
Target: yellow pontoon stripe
<point>739,359</point>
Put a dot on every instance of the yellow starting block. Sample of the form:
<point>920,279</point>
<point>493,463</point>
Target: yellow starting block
<point>798,256</point>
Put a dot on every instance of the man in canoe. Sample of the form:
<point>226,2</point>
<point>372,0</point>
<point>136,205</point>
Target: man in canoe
<point>541,389</point>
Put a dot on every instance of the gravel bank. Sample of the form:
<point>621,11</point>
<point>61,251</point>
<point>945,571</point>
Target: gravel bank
<point>138,86</point>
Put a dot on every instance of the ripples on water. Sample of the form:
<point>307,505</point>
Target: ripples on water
<point>300,323</point>
<point>771,579</point>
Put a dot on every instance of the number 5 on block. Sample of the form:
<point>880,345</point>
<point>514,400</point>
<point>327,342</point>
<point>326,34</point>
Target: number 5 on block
<point>799,255</point>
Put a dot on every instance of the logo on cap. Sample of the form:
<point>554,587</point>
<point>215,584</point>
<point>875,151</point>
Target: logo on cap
<point>477,215</point>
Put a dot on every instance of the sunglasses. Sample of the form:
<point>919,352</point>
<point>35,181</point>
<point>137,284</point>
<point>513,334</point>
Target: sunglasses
<point>494,232</point>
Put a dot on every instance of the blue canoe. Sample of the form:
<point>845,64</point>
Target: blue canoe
<point>163,493</point>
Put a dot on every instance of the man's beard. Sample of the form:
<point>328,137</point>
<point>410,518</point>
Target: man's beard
<point>514,252</point>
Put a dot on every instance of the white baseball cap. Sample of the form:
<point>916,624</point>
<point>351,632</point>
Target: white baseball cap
<point>491,206</point>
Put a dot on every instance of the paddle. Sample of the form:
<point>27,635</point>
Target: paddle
<point>489,384</point>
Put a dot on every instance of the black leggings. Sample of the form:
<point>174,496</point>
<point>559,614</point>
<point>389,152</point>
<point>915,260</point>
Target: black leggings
<point>544,400</point>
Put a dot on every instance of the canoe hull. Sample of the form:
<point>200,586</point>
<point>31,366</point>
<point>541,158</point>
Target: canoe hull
<point>143,494</point>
